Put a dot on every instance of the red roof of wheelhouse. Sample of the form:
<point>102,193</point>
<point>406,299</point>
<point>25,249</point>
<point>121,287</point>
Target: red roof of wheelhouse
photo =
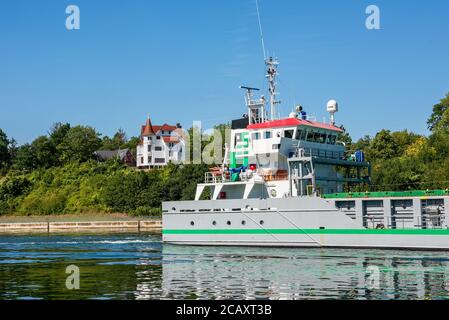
<point>292,122</point>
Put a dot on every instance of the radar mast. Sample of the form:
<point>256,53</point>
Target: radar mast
<point>272,64</point>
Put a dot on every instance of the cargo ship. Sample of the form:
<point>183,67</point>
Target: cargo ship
<point>282,183</point>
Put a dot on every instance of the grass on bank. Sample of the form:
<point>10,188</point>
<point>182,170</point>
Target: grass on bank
<point>74,218</point>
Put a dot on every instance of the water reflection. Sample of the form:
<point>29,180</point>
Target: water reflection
<point>138,266</point>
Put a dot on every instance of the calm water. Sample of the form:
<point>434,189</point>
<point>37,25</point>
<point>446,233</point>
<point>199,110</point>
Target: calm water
<point>138,266</point>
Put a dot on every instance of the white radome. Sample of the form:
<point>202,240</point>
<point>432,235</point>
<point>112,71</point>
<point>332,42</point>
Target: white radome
<point>332,106</point>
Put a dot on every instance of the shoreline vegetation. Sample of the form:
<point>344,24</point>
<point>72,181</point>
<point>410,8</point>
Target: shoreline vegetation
<point>83,217</point>
<point>57,175</point>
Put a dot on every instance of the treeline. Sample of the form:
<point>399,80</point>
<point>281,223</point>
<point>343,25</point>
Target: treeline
<point>92,187</point>
<point>63,144</point>
<point>404,160</point>
<point>57,173</point>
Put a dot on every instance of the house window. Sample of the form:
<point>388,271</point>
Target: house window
<point>159,160</point>
<point>149,148</point>
<point>141,160</point>
<point>158,148</point>
<point>149,159</point>
<point>169,132</point>
<point>158,137</point>
<point>267,134</point>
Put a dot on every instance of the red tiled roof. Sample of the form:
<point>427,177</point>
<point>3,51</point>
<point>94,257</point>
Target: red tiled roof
<point>147,129</point>
<point>165,127</point>
<point>173,139</point>
<point>293,122</point>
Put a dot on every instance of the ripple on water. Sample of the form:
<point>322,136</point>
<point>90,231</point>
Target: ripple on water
<point>138,266</point>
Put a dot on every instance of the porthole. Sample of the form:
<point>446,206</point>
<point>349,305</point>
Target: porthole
<point>261,222</point>
<point>214,223</point>
<point>228,223</point>
<point>192,223</point>
<point>243,222</point>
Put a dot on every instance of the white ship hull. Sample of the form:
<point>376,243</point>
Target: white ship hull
<point>297,222</point>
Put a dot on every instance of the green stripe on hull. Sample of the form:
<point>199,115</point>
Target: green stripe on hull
<point>430,232</point>
<point>388,194</point>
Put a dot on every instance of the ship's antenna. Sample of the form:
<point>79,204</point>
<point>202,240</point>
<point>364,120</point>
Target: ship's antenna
<point>261,31</point>
<point>271,64</point>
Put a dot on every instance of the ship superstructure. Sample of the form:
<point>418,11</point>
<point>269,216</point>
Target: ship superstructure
<point>283,157</point>
<point>282,183</point>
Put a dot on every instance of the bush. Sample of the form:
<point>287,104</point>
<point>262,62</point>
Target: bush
<point>147,212</point>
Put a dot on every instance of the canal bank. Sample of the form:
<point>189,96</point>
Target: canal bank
<point>80,226</point>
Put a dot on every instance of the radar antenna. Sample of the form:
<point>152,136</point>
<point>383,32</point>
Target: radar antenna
<point>256,108</point>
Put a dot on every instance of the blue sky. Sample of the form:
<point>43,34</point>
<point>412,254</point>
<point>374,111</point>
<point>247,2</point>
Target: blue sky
<point>181,61</point>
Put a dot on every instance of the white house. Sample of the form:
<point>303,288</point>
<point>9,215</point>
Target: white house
<point>160,145</point>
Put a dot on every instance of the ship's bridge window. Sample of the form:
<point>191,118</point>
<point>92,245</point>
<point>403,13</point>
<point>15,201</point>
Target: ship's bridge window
<point>331,139</point>
<point>311,136</point>
<point>316,137</point>
<point>300,134</point>
<point>322,138</point>
<point>267,134</point>
<point>288,134</point>
<point>256,136</point>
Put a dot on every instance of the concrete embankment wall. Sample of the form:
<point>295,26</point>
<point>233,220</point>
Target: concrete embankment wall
<point>92,226</point>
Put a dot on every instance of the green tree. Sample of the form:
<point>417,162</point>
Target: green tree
<point>24,159</point>
<point>383,146</point>
<point>118,141</point>
<point>58,133</point>
<point>440,115</point>
<point>43,152</point>
<point>4,150</point>
<point>79,144</point>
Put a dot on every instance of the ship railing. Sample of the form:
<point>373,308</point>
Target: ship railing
<point>424,222</point>
<point>273,175</point>
<point>216,177</point>
<point>319,153</point>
